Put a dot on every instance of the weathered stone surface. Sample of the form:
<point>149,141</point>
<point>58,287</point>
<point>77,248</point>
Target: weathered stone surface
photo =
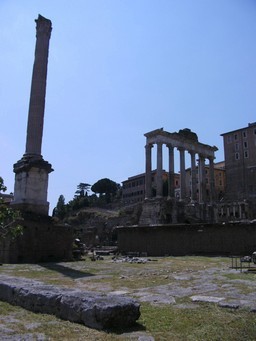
<point>94,310</point>
<point>208,299</point>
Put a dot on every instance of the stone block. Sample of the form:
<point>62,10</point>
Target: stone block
<point>92,309</point>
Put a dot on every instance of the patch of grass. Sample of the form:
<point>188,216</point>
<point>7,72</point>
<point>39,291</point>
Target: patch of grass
<point>18,321</point>
<point>207,323</point>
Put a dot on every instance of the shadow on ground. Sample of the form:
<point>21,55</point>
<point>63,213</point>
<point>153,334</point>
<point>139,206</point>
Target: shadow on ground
<point>137,327</point>
<point>65,270</point>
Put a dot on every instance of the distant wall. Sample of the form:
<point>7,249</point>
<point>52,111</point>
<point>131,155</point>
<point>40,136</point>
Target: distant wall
<point>197,239</point>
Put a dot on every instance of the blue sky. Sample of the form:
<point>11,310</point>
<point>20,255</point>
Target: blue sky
<point>118,69</point>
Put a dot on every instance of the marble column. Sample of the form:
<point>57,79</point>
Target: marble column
<point>159,170</point>
<point>193,176</point>
<point>182,174</point>
<point>31,172</point>
<point>171,187</point>
<point>201,180</point>
<point>212,180</point>
<point>38,87</point>
<point>148,175</point>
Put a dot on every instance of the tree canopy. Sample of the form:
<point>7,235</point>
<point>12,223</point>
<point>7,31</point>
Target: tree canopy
<point>82,189</point>
<point>105,186</point>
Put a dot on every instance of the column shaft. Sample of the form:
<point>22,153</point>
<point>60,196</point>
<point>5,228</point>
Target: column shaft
<point>159,171</point>
<point>201,175</point>
<point>38,88</point>
<point>148,175</point>
<point>193,176</point>
<point>171,187</point>
<point>182,174</point>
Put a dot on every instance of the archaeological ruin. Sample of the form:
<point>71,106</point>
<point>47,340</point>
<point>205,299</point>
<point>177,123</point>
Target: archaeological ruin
<point>192,223</point>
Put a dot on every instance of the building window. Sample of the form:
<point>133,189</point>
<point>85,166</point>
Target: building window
<point>237,156</point>
<point>237,146</point>
<point>246,154</point>
<point>255,131</point>
<point>245,134</point>
<point>235,137</point>
<point>245,144</point>
<point>229,138</point>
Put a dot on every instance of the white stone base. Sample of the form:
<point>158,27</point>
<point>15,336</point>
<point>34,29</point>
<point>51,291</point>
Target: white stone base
<point>31,184</point>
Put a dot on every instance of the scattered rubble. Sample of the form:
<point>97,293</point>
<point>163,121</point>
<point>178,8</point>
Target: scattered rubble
<point>127,259</point>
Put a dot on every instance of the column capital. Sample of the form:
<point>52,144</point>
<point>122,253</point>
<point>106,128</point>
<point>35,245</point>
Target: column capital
<point>169,145</point>
<point>149,146</point>
<point>192,152</point>
<point>202,156</point>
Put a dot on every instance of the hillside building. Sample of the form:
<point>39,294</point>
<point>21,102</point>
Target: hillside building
<point>240,163</point>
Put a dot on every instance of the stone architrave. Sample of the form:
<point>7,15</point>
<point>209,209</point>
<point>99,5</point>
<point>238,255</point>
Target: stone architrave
<point>31,172</point>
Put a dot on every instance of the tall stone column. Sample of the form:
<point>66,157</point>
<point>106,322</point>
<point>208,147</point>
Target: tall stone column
<point>193,176</point>
<point>31,172</point>
<point>148,175</point>
<point>212,181</point>
<point>159,170</point>
<point>202,183</point>
<point>171,172</point>
<point>38,88</point>
<point>182,174</point>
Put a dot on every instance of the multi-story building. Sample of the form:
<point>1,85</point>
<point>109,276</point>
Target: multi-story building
<point>133,190</point>
<point>240,163</point>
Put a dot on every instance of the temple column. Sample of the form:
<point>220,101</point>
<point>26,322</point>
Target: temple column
<point>159,170</point>
<point>171,172</point>
<point>148,175</point>
<point>182,174</point>
<point>193,176</point>
<point>212,180</point>
<point>201,179</point>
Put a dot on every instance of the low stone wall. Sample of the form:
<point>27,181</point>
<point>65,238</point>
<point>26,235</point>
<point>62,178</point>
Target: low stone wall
<point>196,239</point>
<point>41,241</point>
<point>94,310</point>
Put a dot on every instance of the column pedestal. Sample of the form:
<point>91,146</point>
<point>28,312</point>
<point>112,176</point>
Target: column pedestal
<point>31,183</point>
